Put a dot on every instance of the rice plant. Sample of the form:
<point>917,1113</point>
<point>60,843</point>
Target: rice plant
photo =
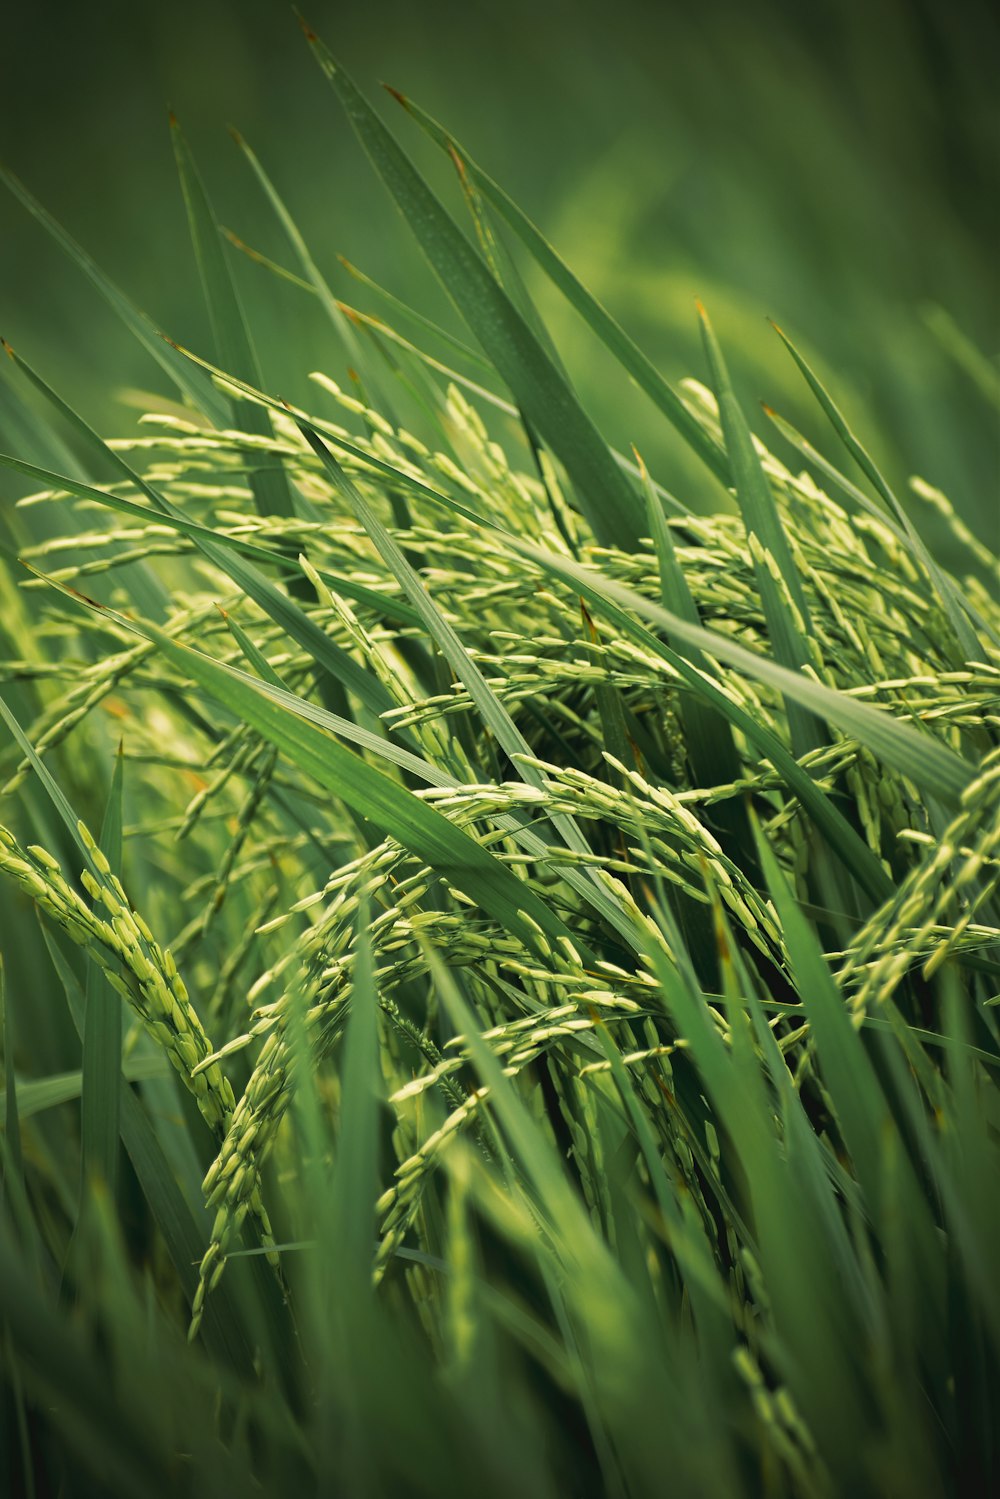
<point>501,958</point>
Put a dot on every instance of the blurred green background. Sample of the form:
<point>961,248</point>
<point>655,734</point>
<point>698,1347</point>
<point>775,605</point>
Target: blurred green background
<point>830,164</point>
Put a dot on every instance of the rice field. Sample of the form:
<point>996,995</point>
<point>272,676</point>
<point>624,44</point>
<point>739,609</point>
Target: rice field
<point>499,960</point>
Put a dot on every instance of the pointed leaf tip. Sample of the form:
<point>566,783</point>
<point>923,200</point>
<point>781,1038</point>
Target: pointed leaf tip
<point>400,98</point>
<point>307,30</point>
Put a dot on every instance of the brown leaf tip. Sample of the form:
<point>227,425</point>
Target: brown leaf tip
<point>307,30</point>
<point>7,348</point>
<point>399,98</point>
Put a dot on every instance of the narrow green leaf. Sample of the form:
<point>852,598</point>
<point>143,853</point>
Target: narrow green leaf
<point>981,370</point>
<point>419,319</point>
<point>12,1159</point>
<point>951,599</point>
<point>859,1100</point>
<point>611,334</point>
<point>192,386</point>
<point>550,405</point>
<point>102,1031</point>
<point>707,736</point>
<point>355,1182</point>
<point>761,518</point>
<point>229,326</point>
<point>66,814</point>
<point>501,263</point>
<point>314,276</point>
<point>39,1094</point>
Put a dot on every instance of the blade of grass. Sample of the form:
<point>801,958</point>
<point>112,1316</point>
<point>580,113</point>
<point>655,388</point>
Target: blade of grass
<point>611,334</point>
<point>40,1094</point>
<point>951,600</point>
<point>61,806</point>
<point>355,1181</point>
<point>610,502</point>
<point>229,327</point>
<point>500,262</point>
<point>788,623</point>
<point>847,1069</point>
<point>314,277</point>
<point>102,1032</point>
<point>708,738</point>
<point>981,370</point>
<point>198,391</point>
<point>13,1161</point>
<point>869,506</point>
<point>419,319</point>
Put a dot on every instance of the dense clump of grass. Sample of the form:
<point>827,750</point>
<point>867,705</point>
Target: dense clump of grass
<point>530,993</point>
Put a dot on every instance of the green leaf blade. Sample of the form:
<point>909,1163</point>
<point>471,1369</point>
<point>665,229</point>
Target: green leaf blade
<point>232,335</point>
<point>548,402</point>
<point>102,1032</point>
